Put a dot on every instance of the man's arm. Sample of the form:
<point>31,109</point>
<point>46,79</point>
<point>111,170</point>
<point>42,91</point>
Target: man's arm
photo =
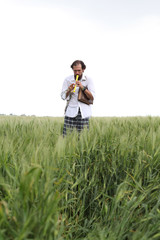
<point>66,91</point>
<point>89,91</point>
<point>71,87</point>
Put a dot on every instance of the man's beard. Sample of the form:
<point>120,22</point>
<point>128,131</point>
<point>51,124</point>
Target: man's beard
<point>79,76</point>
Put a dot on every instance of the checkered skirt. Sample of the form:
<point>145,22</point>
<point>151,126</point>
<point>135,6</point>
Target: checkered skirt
<point>77,122</point>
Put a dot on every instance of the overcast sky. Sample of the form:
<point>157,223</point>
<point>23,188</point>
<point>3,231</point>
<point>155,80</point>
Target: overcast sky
<point>119,41</point>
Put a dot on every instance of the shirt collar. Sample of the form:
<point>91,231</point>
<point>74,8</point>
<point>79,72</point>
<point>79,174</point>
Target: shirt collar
<point>83,78</point>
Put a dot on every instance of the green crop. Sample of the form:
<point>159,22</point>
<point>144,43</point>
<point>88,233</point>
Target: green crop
<point>101,184</point>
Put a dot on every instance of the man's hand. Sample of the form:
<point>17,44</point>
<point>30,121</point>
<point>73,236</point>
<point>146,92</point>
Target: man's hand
<point>71,87</point>
<point>79,84</point>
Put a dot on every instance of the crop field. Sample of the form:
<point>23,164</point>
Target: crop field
<point>101,184</point>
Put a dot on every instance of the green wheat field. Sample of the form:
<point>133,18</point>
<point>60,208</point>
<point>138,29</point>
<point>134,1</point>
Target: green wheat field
<point>103,184</point>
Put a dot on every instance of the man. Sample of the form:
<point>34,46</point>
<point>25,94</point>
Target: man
<point>77,114</point>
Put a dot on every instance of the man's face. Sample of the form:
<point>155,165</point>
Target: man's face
<point>78,71</point>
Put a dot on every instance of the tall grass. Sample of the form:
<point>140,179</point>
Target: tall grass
<point>103,184</point>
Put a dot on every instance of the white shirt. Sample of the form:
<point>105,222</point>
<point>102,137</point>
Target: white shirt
<point>74,104</point>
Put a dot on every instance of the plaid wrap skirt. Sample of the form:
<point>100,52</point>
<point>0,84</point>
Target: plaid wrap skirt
<point>77,122</point>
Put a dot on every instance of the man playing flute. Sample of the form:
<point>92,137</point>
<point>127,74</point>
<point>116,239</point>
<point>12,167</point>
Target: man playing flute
<point>77,113</point>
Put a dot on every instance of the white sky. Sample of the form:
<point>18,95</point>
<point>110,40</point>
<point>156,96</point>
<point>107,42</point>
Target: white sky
<point>118,40</point>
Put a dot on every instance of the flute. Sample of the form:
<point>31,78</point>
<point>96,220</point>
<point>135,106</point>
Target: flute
<point>75,85</point>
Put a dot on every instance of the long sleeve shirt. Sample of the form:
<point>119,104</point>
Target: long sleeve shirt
<point>74,104</point>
